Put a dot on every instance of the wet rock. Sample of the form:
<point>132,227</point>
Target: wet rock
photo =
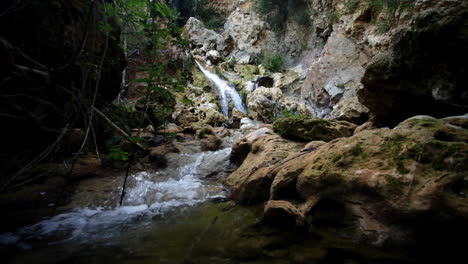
<point>157,155</point>
<point>236,118</point>
<point>308,129</point>
<point>283,213</point>
<point>211,143</point>
<point>221,132</point>
<point>213,56</point>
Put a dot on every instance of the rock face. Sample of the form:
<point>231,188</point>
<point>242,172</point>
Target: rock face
<point>248,32</point>
<point>309,129</point>
<point>422,72</point>
<point>382,184</point>
<point>336,75</point>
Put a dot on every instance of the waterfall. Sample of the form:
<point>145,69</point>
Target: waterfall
<point>224,91</point>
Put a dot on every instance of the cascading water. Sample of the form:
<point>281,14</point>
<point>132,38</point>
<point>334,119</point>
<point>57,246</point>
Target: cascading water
<point>150,195</point>
<point>224,90</point>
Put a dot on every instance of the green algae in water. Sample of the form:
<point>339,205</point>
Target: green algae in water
<point>210,233</point>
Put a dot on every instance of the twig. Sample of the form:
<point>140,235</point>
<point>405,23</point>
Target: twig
<point>122,195</point>
<point>118,129</point>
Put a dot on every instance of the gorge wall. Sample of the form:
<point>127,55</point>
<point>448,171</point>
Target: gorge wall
<point>344,58</point>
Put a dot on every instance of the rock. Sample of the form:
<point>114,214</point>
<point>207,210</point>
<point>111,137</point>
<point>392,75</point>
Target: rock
<point>366,126</point>
<point>201,38</point>
<point>157,155</point>
<point>283,213</point>
<point>313,145</point>
<point>236,118</point>
<point>391,180</point>
<point>264,103</point>
<point>170,128</point>
<point>211,143</point>
<point>249,182</point>
<point>248,124</point>
<point>213,56</point>
<point>248,32</point>
<point>308,129</point>
<point>156,141</point>
<point>185,116</point>
<point>350,110</point>
<point>241,149</point>
<point>422,65</point>
<point>221,132</point>
<point>335,76</point>
<point>211,116</point>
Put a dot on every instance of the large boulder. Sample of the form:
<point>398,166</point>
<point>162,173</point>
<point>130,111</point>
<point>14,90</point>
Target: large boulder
<point>309,129</point>
<point>201,37</point>
<point>248,32</point>
<point>350,110</point>
<point>381,185</point>
<point>422,72</point>
<point>264,103</point>
<point>258,152</point>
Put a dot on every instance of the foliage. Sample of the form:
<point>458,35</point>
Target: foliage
<point>202,10</point>
<point>351,5</point>
<point>118,154</point>
<point>277,12</point>
<point>288,114</point>
<point>275,63</point>
<point>390,7</point>
<point>333,17</point>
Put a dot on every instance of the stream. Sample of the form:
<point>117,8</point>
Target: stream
<point>176,215</point>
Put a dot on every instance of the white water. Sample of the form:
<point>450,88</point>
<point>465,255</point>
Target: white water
<point>224,91</point>
<point>149,195</point>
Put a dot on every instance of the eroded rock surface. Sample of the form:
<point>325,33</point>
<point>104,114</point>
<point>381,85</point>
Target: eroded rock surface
<point>381,184</point>
<point>309,129</point>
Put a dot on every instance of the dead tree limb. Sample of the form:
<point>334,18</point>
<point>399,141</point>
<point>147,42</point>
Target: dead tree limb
<point>117,129</point>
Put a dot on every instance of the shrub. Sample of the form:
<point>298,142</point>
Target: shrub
<point>275,63</point>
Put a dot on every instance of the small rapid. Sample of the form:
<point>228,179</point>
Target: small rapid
<point>224,90</point>
<point>192,177</point>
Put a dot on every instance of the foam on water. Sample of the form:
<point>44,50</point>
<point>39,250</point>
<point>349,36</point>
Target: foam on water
<point>148,195</point>
<point>224,90</point>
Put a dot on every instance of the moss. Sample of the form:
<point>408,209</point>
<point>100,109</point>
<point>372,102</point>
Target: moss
<point>401,167</point>
<point>204,131</point>
<point>356,150</point>
<point>394,185</point>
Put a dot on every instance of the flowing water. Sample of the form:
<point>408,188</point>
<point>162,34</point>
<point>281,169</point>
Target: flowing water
<point>175,215</point>
<point>225,91</point>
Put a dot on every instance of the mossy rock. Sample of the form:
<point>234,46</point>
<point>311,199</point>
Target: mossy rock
<point>309,129</point>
